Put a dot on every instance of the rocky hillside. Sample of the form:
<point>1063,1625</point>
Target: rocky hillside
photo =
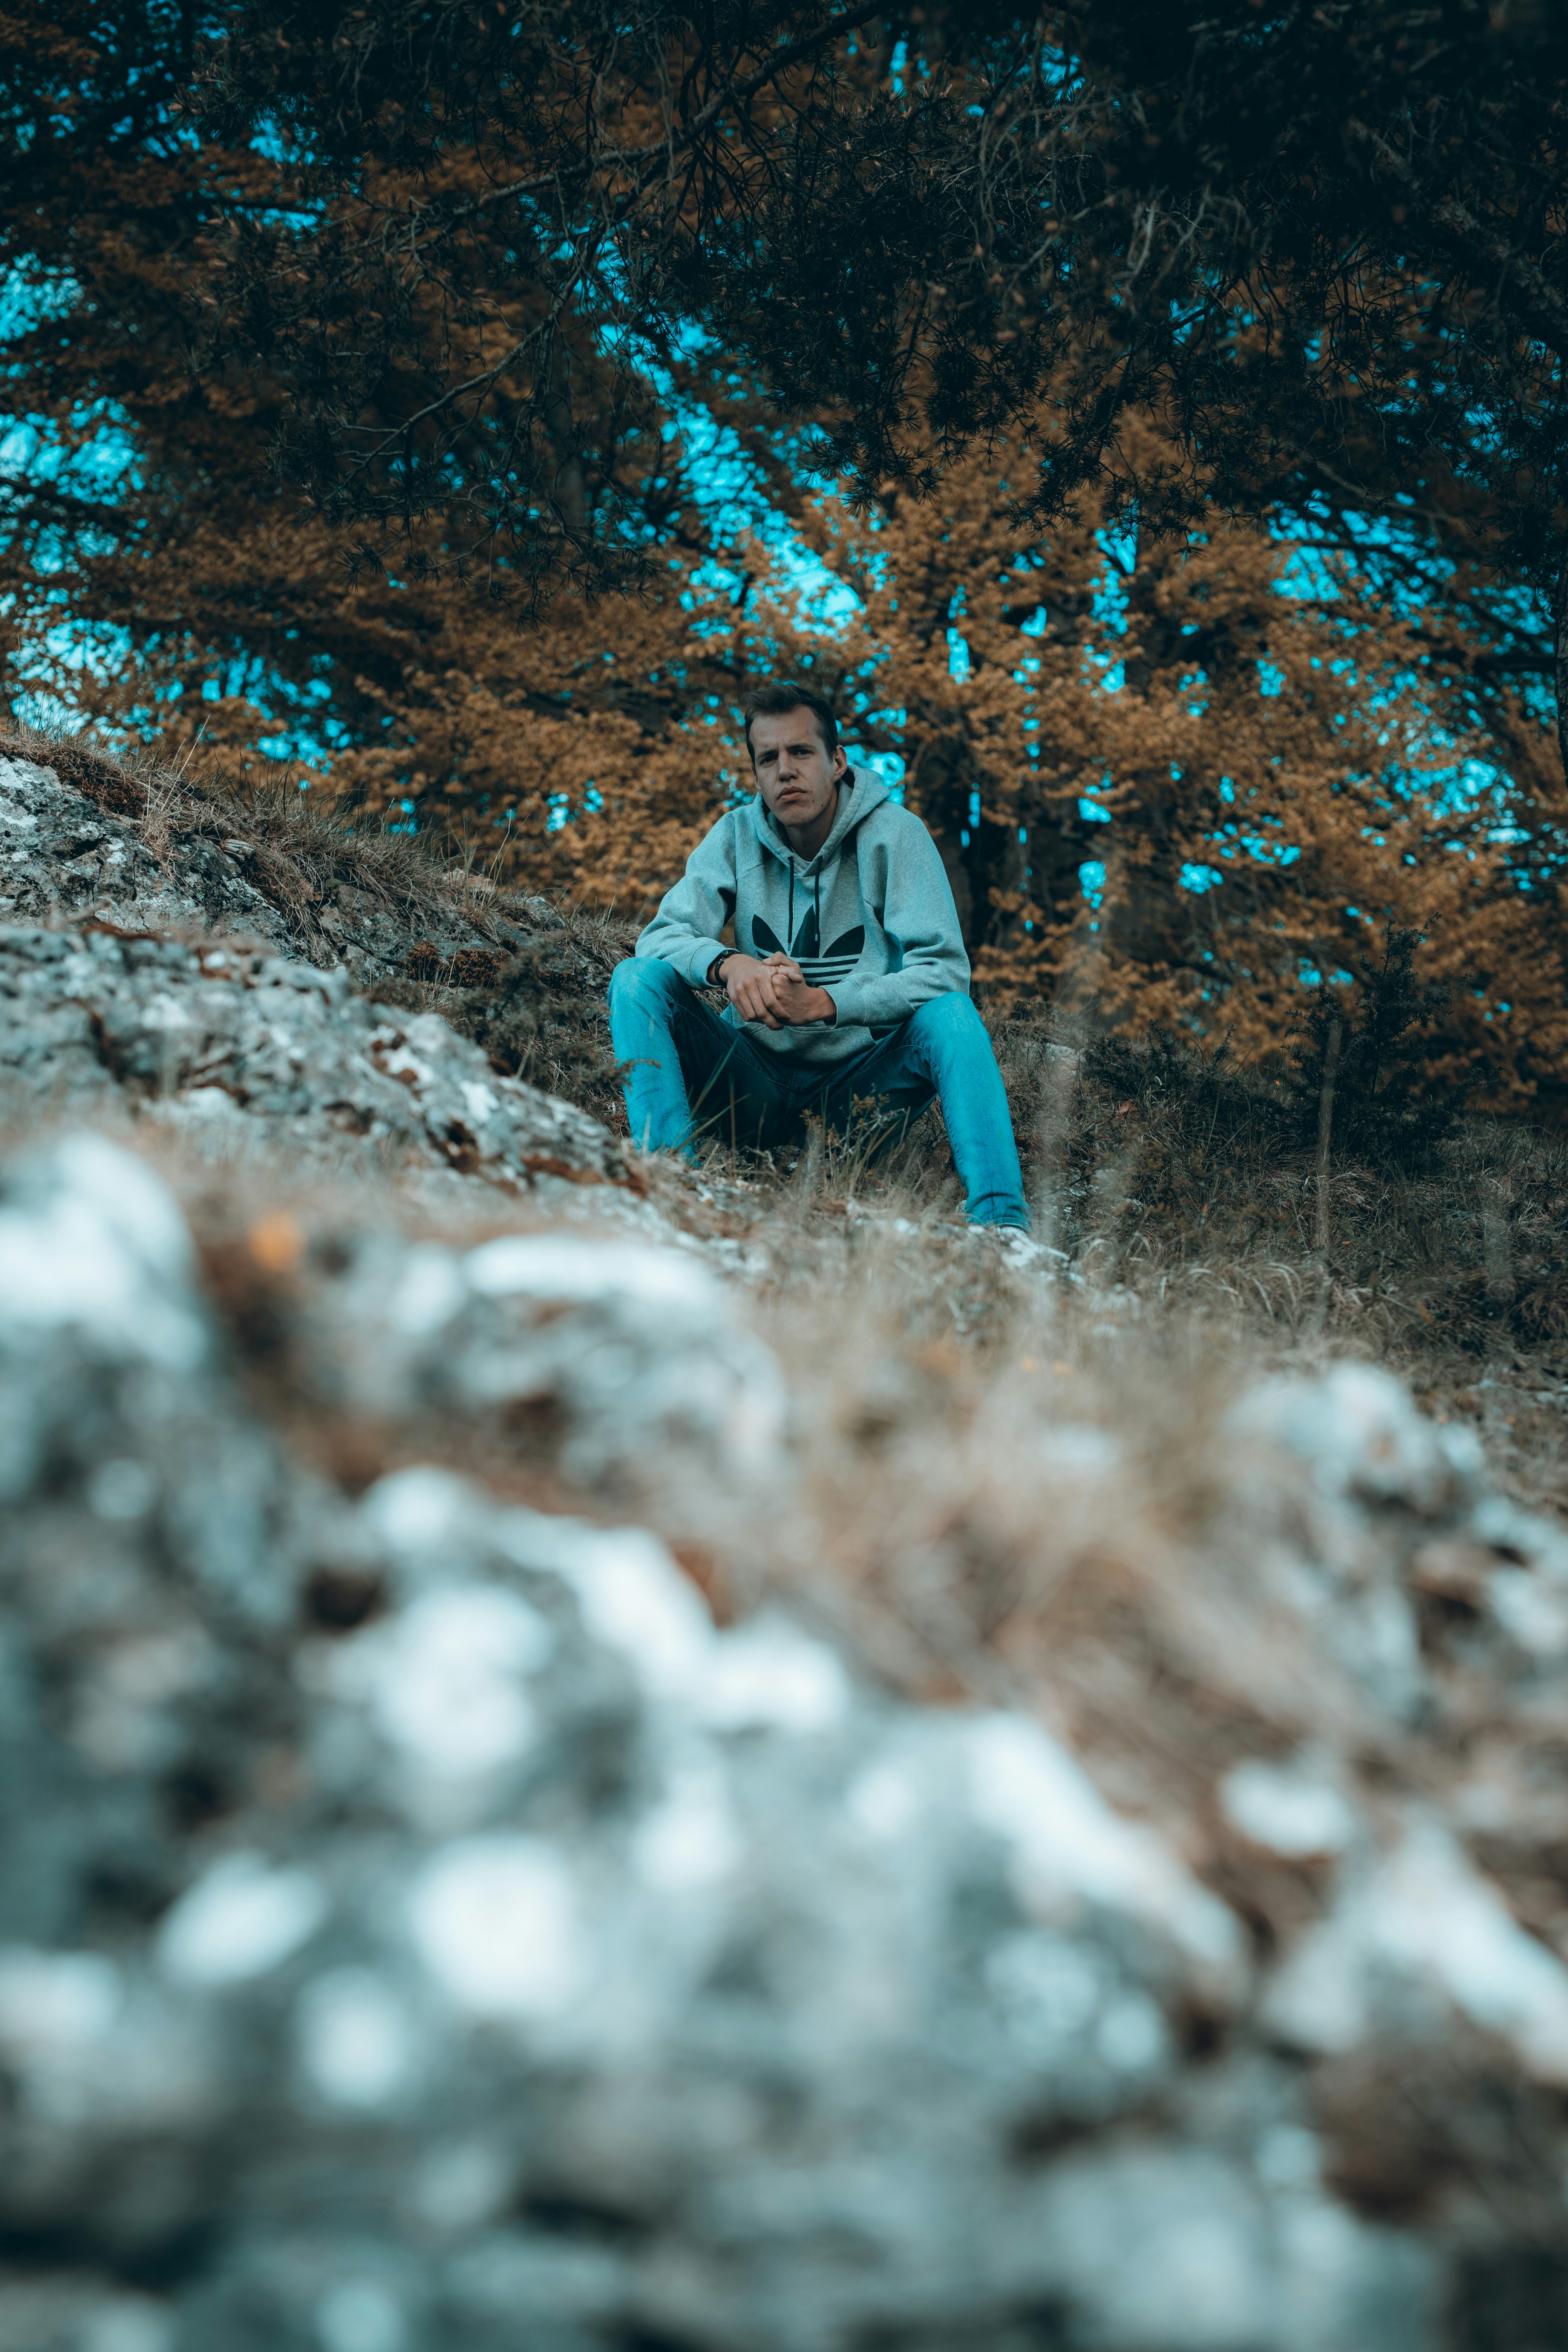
<point>595,1764</point>
<point>92,854</point>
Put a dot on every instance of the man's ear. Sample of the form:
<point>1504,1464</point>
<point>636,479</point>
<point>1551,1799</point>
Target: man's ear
<point>840,761</point>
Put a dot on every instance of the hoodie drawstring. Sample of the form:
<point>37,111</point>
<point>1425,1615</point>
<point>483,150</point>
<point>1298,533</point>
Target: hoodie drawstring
<point>789,929</point>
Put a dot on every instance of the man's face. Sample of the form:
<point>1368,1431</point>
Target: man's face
<point>797,774</point>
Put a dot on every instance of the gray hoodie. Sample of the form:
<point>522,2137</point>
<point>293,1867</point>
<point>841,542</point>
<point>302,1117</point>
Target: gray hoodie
<point>870,917</point>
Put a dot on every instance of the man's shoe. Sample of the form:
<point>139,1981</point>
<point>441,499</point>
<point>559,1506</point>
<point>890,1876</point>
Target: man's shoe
<point>1022,1250</point>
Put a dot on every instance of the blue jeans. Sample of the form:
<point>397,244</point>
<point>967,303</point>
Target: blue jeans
<point>691,1074</point>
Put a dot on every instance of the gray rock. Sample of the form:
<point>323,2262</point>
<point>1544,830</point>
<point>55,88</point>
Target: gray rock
<point>430,1930</point>
<point>629,1357</point>
<point>243,1050</point>
<point>1373,1509</point>
<point>64,857</point>
<point>97,849</point>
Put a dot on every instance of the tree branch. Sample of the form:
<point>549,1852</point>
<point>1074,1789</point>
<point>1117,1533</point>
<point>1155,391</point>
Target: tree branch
<point>1542,308</point>
<point>734,93</point>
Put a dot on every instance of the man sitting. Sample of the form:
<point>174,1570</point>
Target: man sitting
<point>850,980</point>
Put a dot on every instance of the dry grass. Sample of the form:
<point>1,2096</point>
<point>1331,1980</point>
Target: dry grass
<point>1182,1196</point>
<point>540,1014</point>
<point>1127,1609</point>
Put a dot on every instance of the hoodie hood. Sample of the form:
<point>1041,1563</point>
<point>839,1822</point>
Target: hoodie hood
<point>858,793</point>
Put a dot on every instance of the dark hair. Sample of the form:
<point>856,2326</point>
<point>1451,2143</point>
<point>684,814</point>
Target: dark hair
<point>776,701</point>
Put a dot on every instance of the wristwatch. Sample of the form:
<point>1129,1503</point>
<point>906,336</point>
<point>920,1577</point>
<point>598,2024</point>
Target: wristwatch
<point>716,968</point>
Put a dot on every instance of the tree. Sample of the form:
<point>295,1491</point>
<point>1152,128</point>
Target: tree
<point>436,253</point>
<point>1321,245</point>
<point>159,553</point>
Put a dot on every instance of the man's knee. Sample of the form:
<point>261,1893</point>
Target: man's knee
<point>942,1019</point>
<point>644,981</point>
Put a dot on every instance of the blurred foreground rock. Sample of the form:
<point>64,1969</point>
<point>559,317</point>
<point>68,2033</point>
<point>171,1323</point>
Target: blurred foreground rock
<point>425,1929</point>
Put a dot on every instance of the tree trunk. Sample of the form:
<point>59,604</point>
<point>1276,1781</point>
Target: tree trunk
<point>1326,1129</point>
<point>1560,659</point>
<point>569,488</point>
<point>1497,1193</point>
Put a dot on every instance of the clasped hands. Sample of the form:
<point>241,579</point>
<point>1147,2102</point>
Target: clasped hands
<point>775,991</point>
